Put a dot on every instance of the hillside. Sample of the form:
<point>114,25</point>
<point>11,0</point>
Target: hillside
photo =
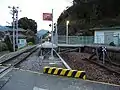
<point>86,14</point>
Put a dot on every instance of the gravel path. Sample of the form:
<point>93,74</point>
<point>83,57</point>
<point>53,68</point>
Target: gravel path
<point>93,72</point>
<point>34,63</point>
<point>31,63</point>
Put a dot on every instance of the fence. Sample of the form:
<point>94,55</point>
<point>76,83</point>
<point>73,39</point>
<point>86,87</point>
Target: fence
<point>107,39</point>
<point>76,39</point>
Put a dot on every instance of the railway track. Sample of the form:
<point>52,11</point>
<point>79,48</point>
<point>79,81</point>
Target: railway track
<point>111,67</point>
<point>42,61</point>
<point>15,56</point>
<point>19,58</point>
<point>14,61</point>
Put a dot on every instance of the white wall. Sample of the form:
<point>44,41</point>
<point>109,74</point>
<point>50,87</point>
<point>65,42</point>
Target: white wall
<point>99,36</point>
<point>22,43</point>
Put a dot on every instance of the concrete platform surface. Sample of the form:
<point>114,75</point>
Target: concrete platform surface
<point>71,45</point>
<point>26,80</point>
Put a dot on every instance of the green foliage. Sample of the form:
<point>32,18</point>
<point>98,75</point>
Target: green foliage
<point>3,46</point>
<point>30,43</point>
<point>8,43</point>
<point>85,14</point>
<point>31,39</point>
<point>26,23</point>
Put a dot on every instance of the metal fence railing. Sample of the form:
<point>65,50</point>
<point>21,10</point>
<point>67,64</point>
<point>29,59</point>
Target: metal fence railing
<point>107,39</point>
<point>76,40</point>
<point>112,40</point>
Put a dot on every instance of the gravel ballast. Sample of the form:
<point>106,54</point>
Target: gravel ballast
<point>12,54</point>
<point>94,72</point>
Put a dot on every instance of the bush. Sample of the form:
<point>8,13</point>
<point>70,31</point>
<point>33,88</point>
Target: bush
<point>3,46</point>
<point>30,43</point>
<point>8,43</point>
<point>112,44</point>
<point>31,40</point>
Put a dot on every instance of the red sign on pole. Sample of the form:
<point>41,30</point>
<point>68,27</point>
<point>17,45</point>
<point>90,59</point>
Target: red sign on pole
<point>47,16</point>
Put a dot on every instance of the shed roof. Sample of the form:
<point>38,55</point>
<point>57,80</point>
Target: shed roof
<point>4,28</point>
<point>19,29</point>
<point>105,28</point>
<point>48,44</point>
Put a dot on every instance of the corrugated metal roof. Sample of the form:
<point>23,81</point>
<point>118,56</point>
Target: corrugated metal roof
<point>3,28</point>
<point>19,29</point>
<point>106,28</point>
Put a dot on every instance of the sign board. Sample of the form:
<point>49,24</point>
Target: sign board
<point>47,16</point>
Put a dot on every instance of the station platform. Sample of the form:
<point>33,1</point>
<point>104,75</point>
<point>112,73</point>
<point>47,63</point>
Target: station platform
<point>71,45</point>
<point>18,79</point>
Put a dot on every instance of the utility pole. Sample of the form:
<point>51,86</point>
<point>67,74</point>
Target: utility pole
<point>17,28</point>
<point>67,23</point>
<point>56,34</point>
<point>52,36</point>
<point>15,25</point>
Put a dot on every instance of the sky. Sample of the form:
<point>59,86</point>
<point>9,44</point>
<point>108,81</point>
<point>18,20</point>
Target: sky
<point>33,9</point>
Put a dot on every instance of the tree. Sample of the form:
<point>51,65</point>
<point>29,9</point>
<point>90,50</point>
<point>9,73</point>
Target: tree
<point>29,25</point>
<point>85,14</point>
<point>26,23</point>
<point>9,43</point>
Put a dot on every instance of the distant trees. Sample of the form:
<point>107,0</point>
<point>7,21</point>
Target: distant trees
<point>26,23</point>
<point>9,43</point>
<point>31,27</point>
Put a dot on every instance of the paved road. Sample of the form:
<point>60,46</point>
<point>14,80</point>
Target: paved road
<point>25,80</point>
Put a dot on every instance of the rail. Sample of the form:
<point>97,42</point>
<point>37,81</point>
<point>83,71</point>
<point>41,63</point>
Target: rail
<point>9,67</point>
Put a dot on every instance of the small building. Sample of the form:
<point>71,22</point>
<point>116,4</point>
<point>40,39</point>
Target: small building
<point>107,35</point>
<point>22,42</point>
<point>21,37</point>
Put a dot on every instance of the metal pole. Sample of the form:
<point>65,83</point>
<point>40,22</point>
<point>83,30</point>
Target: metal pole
<point>103,50</point>
<point>13,29</point>
<point>17,28</point>
<point>41,46</point>
<point>67,32</point>
<point>52,36</point>
<point>56,35</point>
<point>0,46</point>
